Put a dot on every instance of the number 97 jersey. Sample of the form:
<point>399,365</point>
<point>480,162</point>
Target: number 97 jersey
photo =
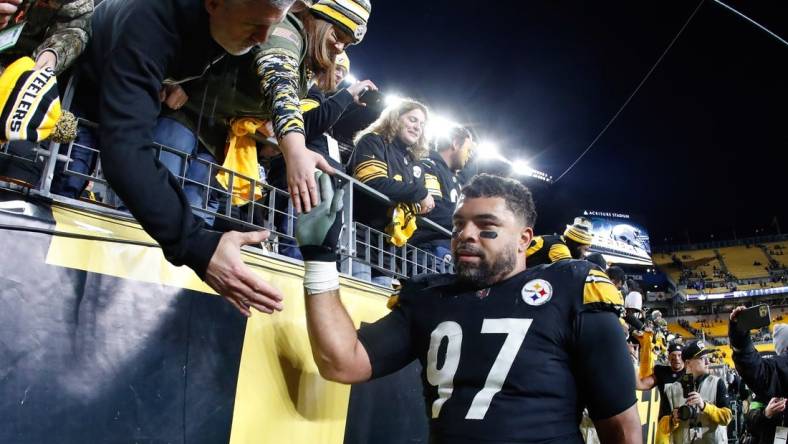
<point>513,363</point>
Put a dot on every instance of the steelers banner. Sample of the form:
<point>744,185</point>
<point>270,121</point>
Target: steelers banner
<point>648,407</point>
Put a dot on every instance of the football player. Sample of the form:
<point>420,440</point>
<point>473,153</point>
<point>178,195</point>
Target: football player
<point>509,354</point>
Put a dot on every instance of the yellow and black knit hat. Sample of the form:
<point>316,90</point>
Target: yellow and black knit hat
<point>30,105</point>
<point>351,16</point>
<point>579,231</point>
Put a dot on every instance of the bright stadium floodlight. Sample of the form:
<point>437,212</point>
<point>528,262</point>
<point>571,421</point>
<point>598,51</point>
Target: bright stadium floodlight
<point>439,126</point>
<point>393,100</point>
<point>522,168</point>
<point>351,79</point>
<point>488,150</point>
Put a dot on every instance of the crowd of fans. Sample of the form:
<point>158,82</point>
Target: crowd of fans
<point>261,101</point>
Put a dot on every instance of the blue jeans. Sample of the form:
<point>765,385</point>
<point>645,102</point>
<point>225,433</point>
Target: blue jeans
<point>364,272</point>
<point>82,161</point>
<point>173,134</point>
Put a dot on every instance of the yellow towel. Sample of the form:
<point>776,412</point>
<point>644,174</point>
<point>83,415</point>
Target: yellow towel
<point>402,224</point>
<point>241,157</point>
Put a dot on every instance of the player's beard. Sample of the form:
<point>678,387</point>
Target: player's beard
<point>489,270</point>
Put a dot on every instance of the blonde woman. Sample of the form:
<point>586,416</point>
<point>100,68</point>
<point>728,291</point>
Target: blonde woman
<point>387,159</point>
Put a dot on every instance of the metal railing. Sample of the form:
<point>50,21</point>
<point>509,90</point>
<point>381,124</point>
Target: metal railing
<point>360,246</point>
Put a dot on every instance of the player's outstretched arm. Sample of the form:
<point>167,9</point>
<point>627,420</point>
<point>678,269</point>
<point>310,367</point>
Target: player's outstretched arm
<point>338,353</point>
<point>336,349</point>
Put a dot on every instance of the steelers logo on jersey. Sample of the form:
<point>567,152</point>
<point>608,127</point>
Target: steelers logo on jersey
<point>537,292</point>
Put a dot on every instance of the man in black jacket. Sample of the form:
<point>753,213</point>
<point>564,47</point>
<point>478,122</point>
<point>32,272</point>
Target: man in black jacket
<point>136,45</point>
<point>767,378</point>
<point>443,183</point>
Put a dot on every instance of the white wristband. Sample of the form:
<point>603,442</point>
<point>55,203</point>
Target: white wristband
<point>320,277</point>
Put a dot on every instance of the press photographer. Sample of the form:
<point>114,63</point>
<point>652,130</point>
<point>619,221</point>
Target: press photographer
<point>698,402</point>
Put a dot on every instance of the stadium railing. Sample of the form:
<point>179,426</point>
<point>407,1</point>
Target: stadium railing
<point>359,244</point>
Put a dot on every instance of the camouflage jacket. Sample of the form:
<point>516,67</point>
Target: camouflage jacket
<point>61,26</point>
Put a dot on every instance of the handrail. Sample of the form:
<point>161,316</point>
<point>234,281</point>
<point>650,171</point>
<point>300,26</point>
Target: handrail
<point>397,261</point>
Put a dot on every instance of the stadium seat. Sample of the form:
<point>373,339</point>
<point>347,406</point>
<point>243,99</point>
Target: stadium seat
<point>740,260</point>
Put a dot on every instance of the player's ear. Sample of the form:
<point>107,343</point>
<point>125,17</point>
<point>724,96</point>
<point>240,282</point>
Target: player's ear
<point>526,235</point>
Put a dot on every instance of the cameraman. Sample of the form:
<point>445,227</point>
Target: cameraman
<point>767,378</point>
<point>698,403</point>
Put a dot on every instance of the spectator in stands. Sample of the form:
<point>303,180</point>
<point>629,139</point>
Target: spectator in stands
<point>441,178</point>
<point>572,245</point>
<point>767,378</point>
<point>240,94</point>
<point>320,114</point>
<point>710,398</point>
<point>54,33</point>
<point>387,158</point>
<point>135,46</point>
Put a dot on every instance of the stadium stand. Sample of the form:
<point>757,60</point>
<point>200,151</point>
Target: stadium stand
<point>745,262</point>
<point>776,251</point>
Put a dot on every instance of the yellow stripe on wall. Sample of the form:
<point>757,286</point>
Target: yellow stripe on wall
<point>280,397</point>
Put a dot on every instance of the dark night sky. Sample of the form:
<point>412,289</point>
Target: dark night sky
<point>701,148</point>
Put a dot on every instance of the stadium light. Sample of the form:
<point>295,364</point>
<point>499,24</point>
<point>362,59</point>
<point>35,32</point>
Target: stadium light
<point>351,79</point>
<point>392,100</point>
<point>439,127</point>
<point>521,167</point>
<point>488,150</point>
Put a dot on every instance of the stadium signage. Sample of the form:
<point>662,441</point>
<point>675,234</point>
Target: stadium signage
<point>605,214</point>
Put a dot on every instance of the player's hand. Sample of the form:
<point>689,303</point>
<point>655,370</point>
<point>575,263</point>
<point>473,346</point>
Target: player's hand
<point>173,96</point>
<point>736,312</point>
<point>675,415</point>
<point>695,399</point>
<point>427,204</point>
<point>776,405</point>
<point>301,164</point>
<point>235,281</point>
<point>359,88</point>
<point>8,8</point>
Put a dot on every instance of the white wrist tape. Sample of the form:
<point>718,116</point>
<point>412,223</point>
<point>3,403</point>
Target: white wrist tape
<point>320,277</point>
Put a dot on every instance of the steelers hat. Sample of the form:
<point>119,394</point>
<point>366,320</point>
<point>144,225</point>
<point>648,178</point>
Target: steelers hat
<point>343,60</point>
<point>579,231</point>
<point>694,350</point>
<point>351,16</point>
<point>30,105</point>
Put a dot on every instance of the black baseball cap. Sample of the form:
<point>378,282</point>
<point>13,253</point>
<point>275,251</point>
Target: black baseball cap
<point>674,347</point>
<point>695,349</point>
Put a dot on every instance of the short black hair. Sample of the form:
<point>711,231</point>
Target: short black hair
<point>617,274</point>
<point>455,134</point>
<point>516,195</point>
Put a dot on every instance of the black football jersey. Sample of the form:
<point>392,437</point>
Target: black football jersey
<point>501,364</point>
